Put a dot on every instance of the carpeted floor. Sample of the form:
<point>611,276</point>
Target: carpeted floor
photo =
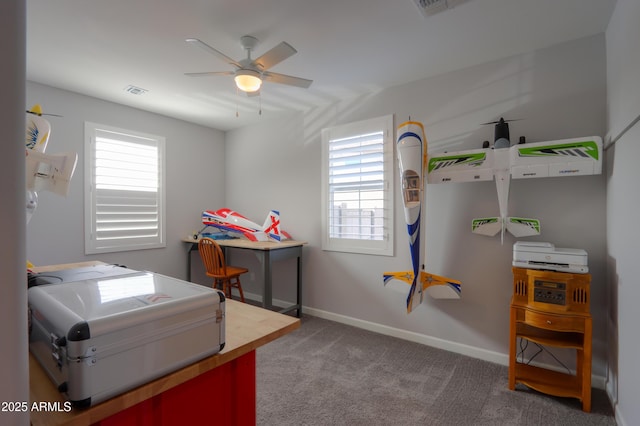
<point>327,373</point>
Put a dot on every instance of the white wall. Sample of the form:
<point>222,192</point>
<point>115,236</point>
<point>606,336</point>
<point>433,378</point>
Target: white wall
<point>559,92</point>
<point>623,204</point>
<point>14,373</point>
<point>195,173</point>
<point>623,62</point>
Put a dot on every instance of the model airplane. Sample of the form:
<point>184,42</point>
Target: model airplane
<point>232,222</point>
<point>566,157</point>
<point>44,171</point>
<point>412,155</point>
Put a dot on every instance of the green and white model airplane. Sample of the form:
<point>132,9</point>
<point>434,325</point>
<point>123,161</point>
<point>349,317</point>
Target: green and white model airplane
<point>566,157</point>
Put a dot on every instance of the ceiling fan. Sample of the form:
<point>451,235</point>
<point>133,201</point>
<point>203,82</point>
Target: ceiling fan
<point>250,73</point>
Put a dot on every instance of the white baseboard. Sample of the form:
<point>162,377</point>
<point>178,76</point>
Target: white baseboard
<point>459,348</point>
<point>619,419</point>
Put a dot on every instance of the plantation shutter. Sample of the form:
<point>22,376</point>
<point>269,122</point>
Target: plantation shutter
<point>126,191</point>
<point>359,192</point>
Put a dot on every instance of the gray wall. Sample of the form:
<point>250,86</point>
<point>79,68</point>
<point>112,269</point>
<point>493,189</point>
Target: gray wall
<point>623,204</point>
<point>558,93</point>
<point>194,181</point>
<point>14,367</point>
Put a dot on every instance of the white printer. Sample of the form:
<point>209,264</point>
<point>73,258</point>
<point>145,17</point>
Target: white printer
<point>539,255</point>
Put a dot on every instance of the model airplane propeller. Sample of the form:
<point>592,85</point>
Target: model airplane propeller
<point>254,70</point>
<point>37,110</point>
<point>501,133</point>
<point>566,157</point>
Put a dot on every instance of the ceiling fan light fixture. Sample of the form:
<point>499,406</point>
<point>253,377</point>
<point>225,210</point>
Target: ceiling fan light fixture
<point>248,80</point>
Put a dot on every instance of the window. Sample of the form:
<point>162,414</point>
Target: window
<point>124,190</point>
<point>357,187</point>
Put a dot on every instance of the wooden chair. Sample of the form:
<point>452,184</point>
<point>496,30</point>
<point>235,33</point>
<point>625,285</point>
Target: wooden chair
<point>223,275</point>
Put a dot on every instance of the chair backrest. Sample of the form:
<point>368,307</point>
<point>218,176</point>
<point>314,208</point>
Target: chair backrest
<point>212,257</point>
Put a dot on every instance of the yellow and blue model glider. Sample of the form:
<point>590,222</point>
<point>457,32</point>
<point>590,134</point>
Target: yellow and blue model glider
<point>411,147</point>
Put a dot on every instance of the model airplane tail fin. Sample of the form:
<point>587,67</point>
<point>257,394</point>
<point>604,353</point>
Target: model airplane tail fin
<point>407,277</point>
<point>50,172</point>
<point>523,227</point>
<point>517,226</point>
<point>488,226</point>
<point>271,226</point>
<point>436,286</point>
<point>440,287</point>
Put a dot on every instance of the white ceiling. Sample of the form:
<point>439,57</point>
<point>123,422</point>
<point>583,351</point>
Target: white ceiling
<point>348,47</point>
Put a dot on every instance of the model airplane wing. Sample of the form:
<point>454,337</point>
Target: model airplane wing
<point>461,166</point>
<point>51,172</point>
<point>565,157</point>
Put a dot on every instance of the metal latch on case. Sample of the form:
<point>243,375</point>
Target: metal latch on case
<point>57,351</point>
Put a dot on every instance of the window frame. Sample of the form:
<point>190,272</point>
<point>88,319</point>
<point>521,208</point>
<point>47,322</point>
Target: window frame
<point>384,247</point>
<point>129,242</point>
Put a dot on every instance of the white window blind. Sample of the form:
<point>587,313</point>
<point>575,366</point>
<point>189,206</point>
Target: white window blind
<point>358,187</point>
<point>124,178</point>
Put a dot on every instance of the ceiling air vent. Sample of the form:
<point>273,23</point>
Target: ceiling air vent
<point>134,90</point>
<point>431,7</point>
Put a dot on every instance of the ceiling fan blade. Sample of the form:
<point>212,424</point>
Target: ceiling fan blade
<point>209,73</point>
<point>286,79</point>
<point>204,46</point>
<point>275,56</point>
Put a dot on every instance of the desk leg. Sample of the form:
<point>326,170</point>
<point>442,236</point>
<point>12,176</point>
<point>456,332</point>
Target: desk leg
<point>299,295</point>
<point>267,290</point>
<point>192,247</point>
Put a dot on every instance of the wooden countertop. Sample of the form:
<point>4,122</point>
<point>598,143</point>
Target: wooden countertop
<point>247,328</point>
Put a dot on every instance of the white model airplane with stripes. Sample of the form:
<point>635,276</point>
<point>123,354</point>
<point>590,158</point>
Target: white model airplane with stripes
<point>566,157</point>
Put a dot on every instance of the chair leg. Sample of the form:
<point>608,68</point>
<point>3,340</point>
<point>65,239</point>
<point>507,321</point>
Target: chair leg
<point>239,286</point>
<point>227,289</point>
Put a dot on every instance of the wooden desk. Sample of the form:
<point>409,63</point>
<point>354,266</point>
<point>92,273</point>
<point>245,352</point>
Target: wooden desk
<point>267,252</point>
<point>561,320</point>
<point>219,389</point>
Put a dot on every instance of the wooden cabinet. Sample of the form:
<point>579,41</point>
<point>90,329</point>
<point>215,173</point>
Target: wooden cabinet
<point>552,309</point>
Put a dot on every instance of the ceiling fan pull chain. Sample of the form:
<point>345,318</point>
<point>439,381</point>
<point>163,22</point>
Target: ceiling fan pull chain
<point>237,114</point>
<point>260,99</point>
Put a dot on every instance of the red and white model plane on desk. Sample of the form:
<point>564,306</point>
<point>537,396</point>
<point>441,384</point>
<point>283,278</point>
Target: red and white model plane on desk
<point>228,221</point>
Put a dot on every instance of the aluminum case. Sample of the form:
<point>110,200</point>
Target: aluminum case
<point>97,338</point>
